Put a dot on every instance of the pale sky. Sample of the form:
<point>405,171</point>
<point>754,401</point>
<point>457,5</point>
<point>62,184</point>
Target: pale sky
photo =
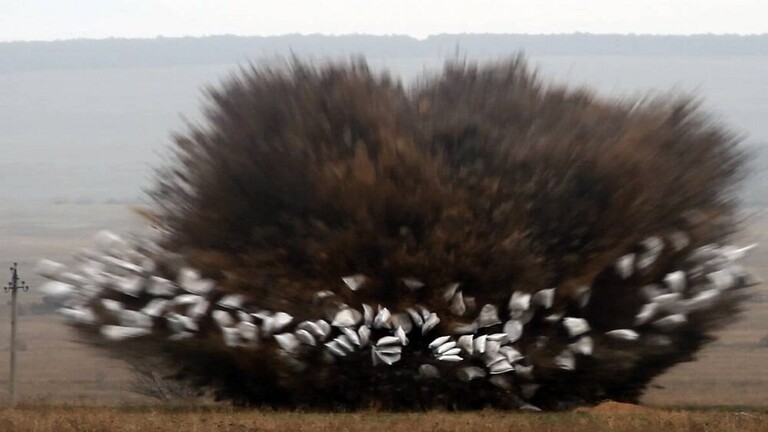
<point>67,19</point>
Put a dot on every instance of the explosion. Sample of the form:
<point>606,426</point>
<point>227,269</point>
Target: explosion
<point>328,238</point>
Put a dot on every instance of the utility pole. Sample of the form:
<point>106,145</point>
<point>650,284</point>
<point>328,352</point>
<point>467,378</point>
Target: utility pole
<point>14,286</point>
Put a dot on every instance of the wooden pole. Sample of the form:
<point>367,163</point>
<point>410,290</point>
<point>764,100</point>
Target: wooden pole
<point>14,287</point>
<point>14,317</point>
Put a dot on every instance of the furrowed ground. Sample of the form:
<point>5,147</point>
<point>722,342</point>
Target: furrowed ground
<point>610,417</point>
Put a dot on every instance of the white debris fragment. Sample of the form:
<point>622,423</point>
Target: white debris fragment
<point>544,298</point>
<point>470,373</point>
<point>625,266</point>
<point>519,303</point>
<point>645,314</point>
<point>354,282</point>
<point>675,281</point>
<point>514,330</point>
<point>427,371</point>
<point>49,269</point>
<point>222,318</point>
<point>489,316</point>
<point>347,317</point>
<point>575,326</point>
<point>288,342</point>
<point>57,290</point>
<point>566,360</point>
<point>623,334</point>
<point>413,284</point>
<point>431,322</point>
<point>670,322</point>
<point>118,333</point>
<point>450,291</point>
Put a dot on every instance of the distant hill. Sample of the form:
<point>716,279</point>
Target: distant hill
<point>190,51</point>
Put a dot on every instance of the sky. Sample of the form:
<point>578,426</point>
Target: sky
<point>98,19</point>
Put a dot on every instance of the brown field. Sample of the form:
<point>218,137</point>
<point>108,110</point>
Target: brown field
<point>65,386</point>
<point>66,419</point>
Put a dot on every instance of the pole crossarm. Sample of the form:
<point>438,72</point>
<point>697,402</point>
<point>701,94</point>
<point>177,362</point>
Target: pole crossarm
<point>15,283</point>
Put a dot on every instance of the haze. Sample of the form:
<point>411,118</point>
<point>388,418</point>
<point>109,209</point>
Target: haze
<point>57,19</point>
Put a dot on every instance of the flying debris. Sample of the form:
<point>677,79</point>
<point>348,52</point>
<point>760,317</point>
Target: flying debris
<point>49,269</point>
<point>231,337</point>
<point>328,238</point>
<point>416,317</point>
<point>465,343</point>
<point>489,316</point>
<point>117,333</point>
<point>671,322</point>
<point>566,360</point>
<point>277,322</point>
<point>160,287</point>
<point>500,367</point>
<point>57,290</point>
<point>364,334</point>
<point>513,329</point>
<point>79,315</point>
<point>344,342</point>
<point>247,330</point>
<point>575,326</point>
<point>354,282</point>
<point>679,240</point>
<point>512,355</point>
<point>458,307</point>
<point>623,334</point>
<point>445,347</point>
<point>646,313</point>
<point>478,344</point>
<point>675,281</point>
<point>347,317</point>
<point>431,322</point>
<point>721,279</point>
<point>306,337</point>
<point>450,358</point>
<point>381,320</point>
<point>519,304</point>
<point>288,342</point>
<point>625,266</point>
<point>653,247</point>
<point>353,337</point>
<point>427,371</point>
<point>232,301</point>
<point>583,346</point>
<point>156,307</point>
<point>583,295</point>
<point>334,348</point>
<point>401,320</point>
<point>450,291</point>
<point>413,283</point>
<point>470,373</point>
<point>388,340</point>
<point>544,298</point>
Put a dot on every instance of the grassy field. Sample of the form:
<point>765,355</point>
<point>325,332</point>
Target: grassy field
<point>609,418</point>
<point>54,368</point>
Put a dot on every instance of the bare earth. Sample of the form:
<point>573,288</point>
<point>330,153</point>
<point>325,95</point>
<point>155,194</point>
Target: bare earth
<point>79,418</point>
<point>54,368</point>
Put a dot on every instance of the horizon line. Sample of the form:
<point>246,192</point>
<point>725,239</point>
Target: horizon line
<point>381,35</point>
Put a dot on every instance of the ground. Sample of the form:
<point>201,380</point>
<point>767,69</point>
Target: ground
<point>78,418</point>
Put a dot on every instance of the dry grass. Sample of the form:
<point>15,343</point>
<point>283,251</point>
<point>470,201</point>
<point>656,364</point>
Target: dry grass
<point>65,419</point>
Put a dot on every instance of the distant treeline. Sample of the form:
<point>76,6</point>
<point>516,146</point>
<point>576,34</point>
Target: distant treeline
<point>162,51</point>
